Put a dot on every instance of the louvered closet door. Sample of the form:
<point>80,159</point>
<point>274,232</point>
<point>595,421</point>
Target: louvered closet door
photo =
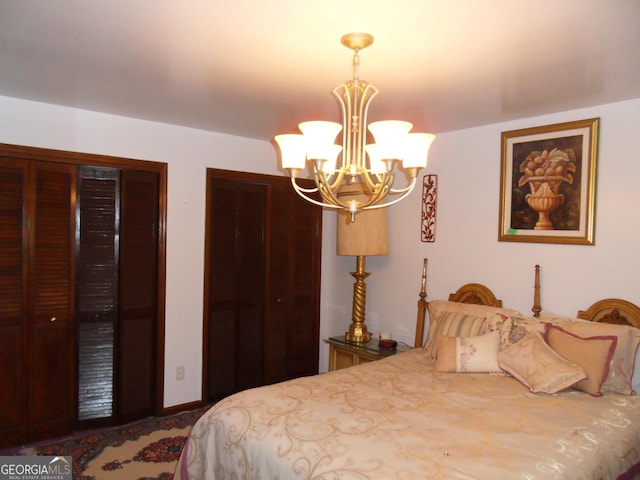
<point>13,175</point>
<point>117,293</point>
<point>97,289</point>
<point>235,286</point>
<point>50,301</point>
<point>292,314</point>
<point>138,294</point>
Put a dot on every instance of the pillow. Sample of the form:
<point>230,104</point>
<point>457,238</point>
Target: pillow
<point>623,361</point>
<point>513,328</point>
<point>454,319</point>
<point>538,367</point>
<point>593,354</point>
<point>468,354</point>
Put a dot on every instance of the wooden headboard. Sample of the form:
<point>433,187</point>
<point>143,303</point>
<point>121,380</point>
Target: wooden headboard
<point>608,310</point>
<point>474,293</point>
<point>612,310</point>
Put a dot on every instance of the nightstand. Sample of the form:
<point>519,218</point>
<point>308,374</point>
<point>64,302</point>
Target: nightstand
<point>343,354</point>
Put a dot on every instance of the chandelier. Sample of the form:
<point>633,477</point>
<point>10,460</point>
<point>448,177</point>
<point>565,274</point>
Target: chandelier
<point>371,165</point>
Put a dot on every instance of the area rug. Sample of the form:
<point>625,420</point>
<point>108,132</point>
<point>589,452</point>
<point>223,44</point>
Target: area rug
<point>146,450</point>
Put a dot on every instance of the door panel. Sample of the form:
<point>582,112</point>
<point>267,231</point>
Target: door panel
<point>13,175</point>
<point>138,293</point>
<point>51,300</point>
<point>97,289</point>
<point>235,289</point>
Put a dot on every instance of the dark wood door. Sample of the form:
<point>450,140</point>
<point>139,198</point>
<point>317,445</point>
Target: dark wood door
<point>292,286</point>
<point>13,315</point>
<point>138,295</point>
<point>37,324</point>
<point>97,289</point>
<point>262,286</point>
<point>50,300</point>
<point>117,293</point>
<point>235,286</point>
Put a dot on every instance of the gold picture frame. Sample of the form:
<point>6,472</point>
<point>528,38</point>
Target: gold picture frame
<point>548,183</point>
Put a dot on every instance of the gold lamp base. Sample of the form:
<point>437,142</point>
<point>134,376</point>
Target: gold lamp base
<point>358,332</point>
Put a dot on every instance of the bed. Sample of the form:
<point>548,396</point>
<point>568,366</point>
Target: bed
<point>445,409</point>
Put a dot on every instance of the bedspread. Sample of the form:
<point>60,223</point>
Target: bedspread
<point>399,419</point>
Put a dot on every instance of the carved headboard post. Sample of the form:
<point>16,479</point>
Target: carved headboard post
<point>422,307</point>
<point>537,308</point>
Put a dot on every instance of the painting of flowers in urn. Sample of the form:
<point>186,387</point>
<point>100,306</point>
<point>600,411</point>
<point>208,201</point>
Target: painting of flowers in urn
<point>548,181</point>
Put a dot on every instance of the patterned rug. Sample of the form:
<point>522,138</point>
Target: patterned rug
<point>145,450</point>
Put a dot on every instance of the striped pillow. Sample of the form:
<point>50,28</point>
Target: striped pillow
<point>453,324</point>
<point>453,319</point>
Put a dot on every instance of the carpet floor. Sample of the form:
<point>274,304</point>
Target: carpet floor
<point>147,449</point>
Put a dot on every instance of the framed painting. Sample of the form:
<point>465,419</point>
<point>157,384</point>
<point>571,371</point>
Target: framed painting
<point>548,183</point>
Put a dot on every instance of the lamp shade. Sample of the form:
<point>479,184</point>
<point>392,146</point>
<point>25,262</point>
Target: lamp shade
<point>293,150</point>
<point>417,149</point>
<point>319,137</point>
<point>367,236</point>
<point>390,137</point>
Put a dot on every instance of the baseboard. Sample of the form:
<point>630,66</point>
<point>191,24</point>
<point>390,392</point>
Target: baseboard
<point>183,407</point>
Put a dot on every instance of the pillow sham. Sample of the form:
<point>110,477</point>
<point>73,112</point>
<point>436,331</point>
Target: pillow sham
<point>513,328</point>
<point>454,319</point>
<point>538,366</point>
<point>468,354</point>
<point>623,361</point>
<point>593,354</point>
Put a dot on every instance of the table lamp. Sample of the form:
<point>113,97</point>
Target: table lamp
<point>368,235</point>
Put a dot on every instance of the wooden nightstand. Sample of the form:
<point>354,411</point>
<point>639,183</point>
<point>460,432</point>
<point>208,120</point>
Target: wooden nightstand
<point>343,354</point>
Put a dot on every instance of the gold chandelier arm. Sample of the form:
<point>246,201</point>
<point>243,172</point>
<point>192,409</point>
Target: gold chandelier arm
<point>336,183</point>
<point>329,195</point>
<point>413,173</point>
<point>406,190</point>
<point>346,138</point>
<point>298,188</point>
<point>302,192</point>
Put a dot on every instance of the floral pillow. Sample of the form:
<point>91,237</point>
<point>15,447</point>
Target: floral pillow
<point>538,366</point>
<point>513,328</point>
<point>468,354</point>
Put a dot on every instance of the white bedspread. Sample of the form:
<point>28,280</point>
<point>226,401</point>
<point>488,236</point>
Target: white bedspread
<point>398,419</point>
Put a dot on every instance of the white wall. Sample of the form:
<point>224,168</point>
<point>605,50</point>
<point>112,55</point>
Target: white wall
<point>466,249</point>
<point>467,163</point>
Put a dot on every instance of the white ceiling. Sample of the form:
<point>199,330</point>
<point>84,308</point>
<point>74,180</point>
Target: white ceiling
<point>256,68</point>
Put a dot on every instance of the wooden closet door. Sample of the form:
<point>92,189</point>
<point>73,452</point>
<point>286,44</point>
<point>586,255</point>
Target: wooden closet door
<point>97,289</point>
<point>138,295</point>
<point>13,320</point>
<point>50,300</point>
<point>262,282</point>
<point>117,294</point>
<point>234,286</point>
<point>292,284</point>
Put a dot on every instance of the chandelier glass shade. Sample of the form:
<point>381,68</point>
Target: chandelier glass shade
<point>355,161</point>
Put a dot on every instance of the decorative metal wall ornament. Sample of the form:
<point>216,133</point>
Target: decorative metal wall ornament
<point>429,208</point>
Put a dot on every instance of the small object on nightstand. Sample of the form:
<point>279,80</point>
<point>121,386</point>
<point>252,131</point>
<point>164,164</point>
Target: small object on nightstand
<point>387,343</point>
